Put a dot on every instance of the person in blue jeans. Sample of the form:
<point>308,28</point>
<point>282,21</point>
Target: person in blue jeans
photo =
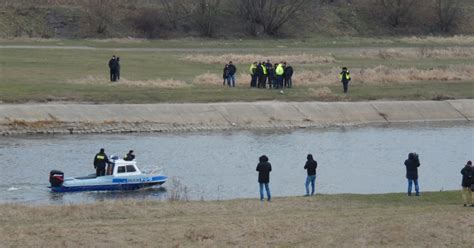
<point>310,168</point>
<point>264,168</point>
<point>231,76</point>
<point>412,164</point>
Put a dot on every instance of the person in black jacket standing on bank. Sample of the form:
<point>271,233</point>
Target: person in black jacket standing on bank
<point>264,168</point>
<point>467,182</point>
<point>310,168</point>
<point>412,164</point>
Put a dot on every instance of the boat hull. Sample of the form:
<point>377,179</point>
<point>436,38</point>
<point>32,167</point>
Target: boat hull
<point>115,185</point>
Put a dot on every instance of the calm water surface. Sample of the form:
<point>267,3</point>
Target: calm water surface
<point>221,165</point>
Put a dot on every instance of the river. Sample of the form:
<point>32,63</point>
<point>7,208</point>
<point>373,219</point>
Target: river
<point>221,165</point>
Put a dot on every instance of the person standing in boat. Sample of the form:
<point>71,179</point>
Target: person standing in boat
<point>130,156</point>
<point>100,162</point>
<point>264,168</point>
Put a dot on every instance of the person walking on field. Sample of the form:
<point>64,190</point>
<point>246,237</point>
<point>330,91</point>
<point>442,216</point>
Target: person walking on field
<point>412,164</point>
<point>264,168</point>
<point>310,168</point>
<point>468,184</point>
<point>345,77</point>
<point>232,71</point>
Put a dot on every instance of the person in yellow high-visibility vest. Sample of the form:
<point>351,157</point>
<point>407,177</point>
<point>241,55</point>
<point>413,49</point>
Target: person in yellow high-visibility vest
<point>345,77</point>
<point>253,74</point>
<point>279,71</point>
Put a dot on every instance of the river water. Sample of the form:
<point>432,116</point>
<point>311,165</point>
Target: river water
<point>221,165</point>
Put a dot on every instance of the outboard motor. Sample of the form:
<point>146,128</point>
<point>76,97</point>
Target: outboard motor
<point>56,178</point>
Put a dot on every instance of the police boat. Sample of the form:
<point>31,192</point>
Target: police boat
<point>121,175</point>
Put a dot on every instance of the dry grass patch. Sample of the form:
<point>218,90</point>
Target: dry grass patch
<point>381,220</point>
<point>313,78</point>
<point>422,52</point>
<point>457,39</point>
<point>250,58</point>
<point>213,79</point>
<point>159,83</point>
<point>120,40</point>
<point>382,74</point>
<point>27,39</point>
<point>320,92</point>
<point>208,79</point>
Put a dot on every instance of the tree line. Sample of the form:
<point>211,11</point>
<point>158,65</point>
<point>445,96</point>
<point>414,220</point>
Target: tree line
<point>162,18</point>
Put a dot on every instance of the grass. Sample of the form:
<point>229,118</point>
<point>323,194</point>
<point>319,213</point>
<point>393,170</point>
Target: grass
<point>434,219</point>
<point>190,70</point>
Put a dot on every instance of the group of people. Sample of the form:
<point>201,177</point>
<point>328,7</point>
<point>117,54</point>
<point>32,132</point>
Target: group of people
<point>264,168</point>
<point>104,166</point>
<point>114,66</point>
<point>275,76</point>
<point>279,75</point>
<point>263,74</point>
<point>412,163</point>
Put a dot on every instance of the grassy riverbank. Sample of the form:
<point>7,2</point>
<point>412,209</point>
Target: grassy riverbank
<point>434,219</point>
<point>189,70</point>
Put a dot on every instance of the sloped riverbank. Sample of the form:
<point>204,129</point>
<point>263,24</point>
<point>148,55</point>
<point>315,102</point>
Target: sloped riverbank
<point>68,118</point>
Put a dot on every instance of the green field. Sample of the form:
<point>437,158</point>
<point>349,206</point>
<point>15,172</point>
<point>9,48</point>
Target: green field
<point>435,219</point>
<point>165,71</point>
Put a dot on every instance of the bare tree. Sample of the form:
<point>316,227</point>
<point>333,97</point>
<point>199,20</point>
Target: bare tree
<point>99,15</point>
<point>175,11</point>
<point>269,14</point>
<point>205,14</point>
<point>396,10</point>
<point>447,12</point>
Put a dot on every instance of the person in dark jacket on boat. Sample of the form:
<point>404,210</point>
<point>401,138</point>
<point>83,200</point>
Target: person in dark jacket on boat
<point>310,168</point>
<point>130,156</point>
<point>412,164</point>
<point>467,184</point>
<point>100,162</point>
<point>264,168</point>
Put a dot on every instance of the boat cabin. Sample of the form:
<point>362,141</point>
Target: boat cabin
<point>121,167</point>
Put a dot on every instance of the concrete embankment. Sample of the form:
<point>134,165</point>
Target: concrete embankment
<point>67,118</point>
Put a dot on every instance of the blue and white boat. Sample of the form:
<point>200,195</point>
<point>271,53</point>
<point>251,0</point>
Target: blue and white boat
<point>122,175</point>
